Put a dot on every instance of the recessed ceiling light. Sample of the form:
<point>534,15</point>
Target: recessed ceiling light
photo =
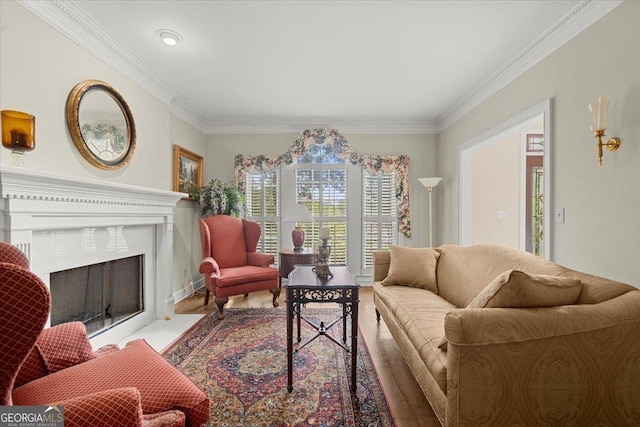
<point>169,37</point>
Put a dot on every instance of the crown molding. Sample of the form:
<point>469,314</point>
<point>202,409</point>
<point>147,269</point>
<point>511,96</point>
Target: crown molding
<point>73,22</point>
<point>352,126</point>
<point>70,20</point>
<point>582,15</point>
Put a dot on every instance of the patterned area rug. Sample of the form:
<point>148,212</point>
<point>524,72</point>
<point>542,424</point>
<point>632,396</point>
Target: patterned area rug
<point>241,362</point>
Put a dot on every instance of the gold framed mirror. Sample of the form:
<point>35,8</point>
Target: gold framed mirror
<point>101,124</point>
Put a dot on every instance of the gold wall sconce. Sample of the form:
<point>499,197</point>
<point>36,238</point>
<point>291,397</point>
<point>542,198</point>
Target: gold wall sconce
<point>600,123</point>
<point>18,134</point>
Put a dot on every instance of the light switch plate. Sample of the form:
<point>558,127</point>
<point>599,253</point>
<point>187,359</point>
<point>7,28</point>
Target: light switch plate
<point>559,215</point>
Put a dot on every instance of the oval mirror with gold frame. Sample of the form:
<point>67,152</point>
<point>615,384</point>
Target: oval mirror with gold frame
<point>101,124</point>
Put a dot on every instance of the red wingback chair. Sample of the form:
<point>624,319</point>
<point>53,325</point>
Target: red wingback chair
<point>133,386</point>
<point>231,265</point>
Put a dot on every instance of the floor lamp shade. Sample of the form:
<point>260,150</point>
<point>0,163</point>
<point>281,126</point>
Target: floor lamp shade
<point>430,183</point>
<point>298,213</point>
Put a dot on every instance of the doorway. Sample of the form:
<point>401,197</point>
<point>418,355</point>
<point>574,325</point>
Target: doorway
<point>505,184</point>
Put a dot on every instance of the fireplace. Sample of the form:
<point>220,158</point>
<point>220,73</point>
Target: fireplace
<point>70,226</point>
<point>99,295</point>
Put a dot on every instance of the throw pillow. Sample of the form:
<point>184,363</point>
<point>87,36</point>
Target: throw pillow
<point>414,267</point>
<point>515,288</point>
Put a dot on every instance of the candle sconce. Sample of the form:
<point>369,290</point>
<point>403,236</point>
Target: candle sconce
<point>600,123</point>
<point>322,261</point>
<point>18,134</point>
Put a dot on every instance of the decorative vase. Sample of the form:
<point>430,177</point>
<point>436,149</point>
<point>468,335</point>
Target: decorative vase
<point>297,235</point>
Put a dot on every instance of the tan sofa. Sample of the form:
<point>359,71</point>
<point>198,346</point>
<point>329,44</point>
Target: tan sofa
<point>568,365</point>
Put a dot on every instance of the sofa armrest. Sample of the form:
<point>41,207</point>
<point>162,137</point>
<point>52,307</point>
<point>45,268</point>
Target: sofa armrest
<point>58,347</point>
<point>381,261</point>
<point>116,408</point>
<point>517,366</point>
<point>260,259</point>
<point>209,266</point>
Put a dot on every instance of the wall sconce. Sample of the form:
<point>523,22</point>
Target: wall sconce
<point>18,134</point>
<point>600,123</point>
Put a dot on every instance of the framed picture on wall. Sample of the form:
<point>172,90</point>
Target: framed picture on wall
<point>187,171</point>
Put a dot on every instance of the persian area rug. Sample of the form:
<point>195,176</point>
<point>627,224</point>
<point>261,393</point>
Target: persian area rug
<point>241,362</point>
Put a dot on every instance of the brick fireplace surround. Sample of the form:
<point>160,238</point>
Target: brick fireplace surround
<point>63,222</point>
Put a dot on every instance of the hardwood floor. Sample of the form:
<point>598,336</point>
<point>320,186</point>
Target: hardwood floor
<point>407,402</point>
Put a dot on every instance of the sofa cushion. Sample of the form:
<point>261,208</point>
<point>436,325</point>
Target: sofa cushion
<point>414,267</point>
<point>463,271</point>
<point>421,315</point>
<point>515,288</point>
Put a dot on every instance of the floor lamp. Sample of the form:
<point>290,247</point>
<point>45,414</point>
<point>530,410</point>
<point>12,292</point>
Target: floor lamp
<point>430,183</point>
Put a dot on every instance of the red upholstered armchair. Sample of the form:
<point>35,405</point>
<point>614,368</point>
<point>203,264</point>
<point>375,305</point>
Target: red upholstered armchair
<point>231,265</point>
<point>133,386</point>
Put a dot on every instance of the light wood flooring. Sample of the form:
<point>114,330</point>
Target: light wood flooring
<point>408,405</point>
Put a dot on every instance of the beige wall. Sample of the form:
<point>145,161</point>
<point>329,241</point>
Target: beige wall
<point>495,186</point>
<point>601,233</point>
<point>222,149</point>
<point>38,69</point>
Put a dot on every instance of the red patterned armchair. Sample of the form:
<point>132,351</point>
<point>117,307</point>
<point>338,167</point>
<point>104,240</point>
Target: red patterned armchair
<point>231,265</point>
<point>133,386</point>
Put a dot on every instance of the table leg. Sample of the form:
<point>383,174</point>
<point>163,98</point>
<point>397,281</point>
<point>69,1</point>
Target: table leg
<point>354,337</point>
<point>344,323</point>
<point>298,318</point>
<point>290,340</point>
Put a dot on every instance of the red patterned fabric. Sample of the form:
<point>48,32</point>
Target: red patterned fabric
<point>24,309</point>
<point>161,386</point>
<point>12,255</point>
<point>113,408</point>
<point>57,348</point>
<point>228,245</point>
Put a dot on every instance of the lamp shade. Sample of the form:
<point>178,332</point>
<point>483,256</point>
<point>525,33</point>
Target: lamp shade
<point>599,113</point>
<point>298,213</point>
<point>430,182</point>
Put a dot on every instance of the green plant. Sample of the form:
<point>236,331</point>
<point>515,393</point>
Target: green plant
<point>220,198</point>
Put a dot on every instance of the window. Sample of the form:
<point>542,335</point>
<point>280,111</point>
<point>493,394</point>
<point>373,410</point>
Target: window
<point>323,189</point>
<point>262,197</point>
<point>379,218</point>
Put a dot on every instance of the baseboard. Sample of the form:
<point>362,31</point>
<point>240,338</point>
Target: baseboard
<point>186,292</point>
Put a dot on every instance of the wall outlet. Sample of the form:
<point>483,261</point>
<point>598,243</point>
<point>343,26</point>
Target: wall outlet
<point>502,214</point>
<point>559,215</point>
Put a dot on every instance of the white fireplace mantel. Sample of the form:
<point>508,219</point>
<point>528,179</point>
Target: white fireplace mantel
<point>44,214</point>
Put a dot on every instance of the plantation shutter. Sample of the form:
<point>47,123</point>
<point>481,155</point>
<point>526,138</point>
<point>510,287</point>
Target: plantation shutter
<point>379,217</point>
<point>262,198</point>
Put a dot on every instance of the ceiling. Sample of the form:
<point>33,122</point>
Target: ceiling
<point>358,66</point>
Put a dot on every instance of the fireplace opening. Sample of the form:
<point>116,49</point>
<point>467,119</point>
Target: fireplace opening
<point>99,295</point>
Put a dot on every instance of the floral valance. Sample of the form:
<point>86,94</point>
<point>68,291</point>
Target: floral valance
<point>399,165</point>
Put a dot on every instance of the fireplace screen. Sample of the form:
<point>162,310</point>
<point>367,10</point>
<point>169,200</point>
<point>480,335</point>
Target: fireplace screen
<point>99,295</point>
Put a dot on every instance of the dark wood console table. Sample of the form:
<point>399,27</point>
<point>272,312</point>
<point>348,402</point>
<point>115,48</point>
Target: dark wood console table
<point>290,258</point>
<point>304,287</point>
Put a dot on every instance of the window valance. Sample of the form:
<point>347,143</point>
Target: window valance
<point>399,165</point>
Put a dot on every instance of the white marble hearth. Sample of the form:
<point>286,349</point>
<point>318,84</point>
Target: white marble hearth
<point>63,222</point>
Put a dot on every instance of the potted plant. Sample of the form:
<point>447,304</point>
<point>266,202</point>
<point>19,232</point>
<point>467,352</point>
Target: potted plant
<point>220,198</point>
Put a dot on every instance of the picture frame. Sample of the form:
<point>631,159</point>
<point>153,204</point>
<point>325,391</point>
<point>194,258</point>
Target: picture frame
<point>188,168</point>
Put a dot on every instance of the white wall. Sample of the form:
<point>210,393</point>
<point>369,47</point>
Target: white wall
<point>601,234</point>
<point>222,149</point>
<point>495,186</point>
<point>39,67</point>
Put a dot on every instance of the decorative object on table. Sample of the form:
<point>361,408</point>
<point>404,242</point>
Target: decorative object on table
<point>600,122</point>
<point>187,172</point>
<point>298,213</point>
<point>219,356</point>
<point>324,252</point>
<point>18,134</point>
<point>430,183</point>
<point>101,124</point>
<point>221,198</point>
